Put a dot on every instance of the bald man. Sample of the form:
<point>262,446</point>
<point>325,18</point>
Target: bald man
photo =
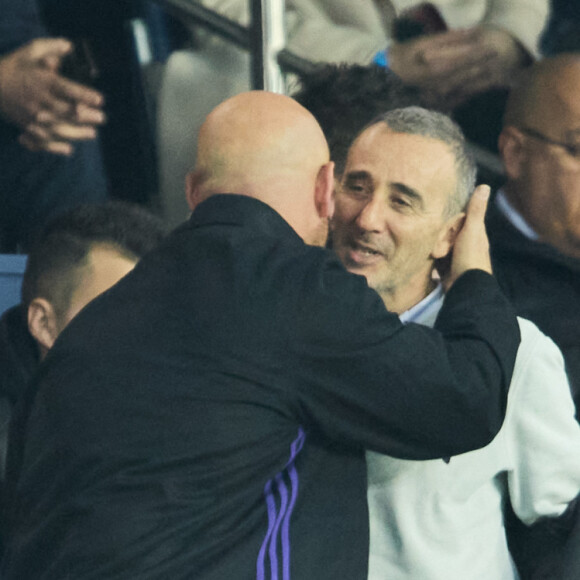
<point>214,427</point>
<point>534,230</point>
<point>534,224</point>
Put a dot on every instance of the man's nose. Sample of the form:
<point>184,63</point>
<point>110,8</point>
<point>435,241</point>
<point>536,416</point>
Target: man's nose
<point>372,216</point>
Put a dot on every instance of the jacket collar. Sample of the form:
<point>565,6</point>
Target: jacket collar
<point>241,210</point>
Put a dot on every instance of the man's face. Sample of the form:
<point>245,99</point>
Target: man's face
<point>548,177</point>
<point>390,222</point>
<point>105,267</point>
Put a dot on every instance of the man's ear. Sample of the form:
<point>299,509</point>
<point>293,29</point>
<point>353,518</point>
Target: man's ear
<point>324,191</point>
<point>193,182</point>
<point>447,236</point>
<point>42,324</point>
<point>512,150</point>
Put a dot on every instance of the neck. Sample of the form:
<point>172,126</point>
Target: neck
<point>402,299</point>
<point>555,234</point>
<point>516,200</point>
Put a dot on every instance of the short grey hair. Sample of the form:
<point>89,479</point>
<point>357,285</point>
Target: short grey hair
<point>420,121</point>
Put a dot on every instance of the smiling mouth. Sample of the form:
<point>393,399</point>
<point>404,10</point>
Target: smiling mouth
<point>361,255</point>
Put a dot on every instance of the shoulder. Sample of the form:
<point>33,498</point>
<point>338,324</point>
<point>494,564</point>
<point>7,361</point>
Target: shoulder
<point>534,343</point>
<point>539,374</point>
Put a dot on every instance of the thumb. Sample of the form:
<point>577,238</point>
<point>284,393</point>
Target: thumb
<point>477,205</point>
<point>49,51</point>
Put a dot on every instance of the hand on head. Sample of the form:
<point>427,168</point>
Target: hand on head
<point>52,111</point>
<point>471,248</point>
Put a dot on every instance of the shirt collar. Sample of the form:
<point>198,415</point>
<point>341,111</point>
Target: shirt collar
<point>513,216</point>
<point>425,312</point>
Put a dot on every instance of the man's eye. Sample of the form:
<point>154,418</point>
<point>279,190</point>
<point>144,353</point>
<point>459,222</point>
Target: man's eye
<point>400,202</point>
<point>356,188</point>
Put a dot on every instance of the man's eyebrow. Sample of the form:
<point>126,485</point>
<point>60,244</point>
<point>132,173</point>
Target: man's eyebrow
<point>361,174</point>
<point>409,192</point>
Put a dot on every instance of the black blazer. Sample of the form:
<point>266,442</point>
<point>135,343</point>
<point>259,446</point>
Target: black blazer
<point>544,286</point>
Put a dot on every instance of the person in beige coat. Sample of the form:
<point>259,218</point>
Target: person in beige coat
<point>486,41</point>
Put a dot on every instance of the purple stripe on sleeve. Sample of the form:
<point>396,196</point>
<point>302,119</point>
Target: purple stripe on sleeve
<point>293,474</point>
<point>283,490</point>
<point>282,518</point>
<point>271,505</point>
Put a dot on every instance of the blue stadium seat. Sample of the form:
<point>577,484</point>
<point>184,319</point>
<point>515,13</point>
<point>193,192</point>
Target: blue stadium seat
<point>11,271</point>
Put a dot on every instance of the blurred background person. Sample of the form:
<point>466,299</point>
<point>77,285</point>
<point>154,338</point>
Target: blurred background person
<point>534,220</point>
<point>533,225</point>
<point>49,156</point>
<point>79,255</point>
<point>453,52</point>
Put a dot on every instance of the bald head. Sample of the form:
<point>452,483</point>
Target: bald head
<point>540,147</point>
<point>265,146</point>
<point>544,91</point>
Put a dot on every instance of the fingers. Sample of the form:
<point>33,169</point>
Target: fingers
<point>55,112</point>
<point>57,136</point>
<point>56,147</point>
<point>58,95</point>
<point>443,69</point>
<point>68,90</point>
<point>62,131</point>
<point>78,114</point>
<point>471,249</point>
<point>458,87</point>
<point>452,57</point>
<point>478,205</point>
<point>69,103</point>
<point>442,40</point>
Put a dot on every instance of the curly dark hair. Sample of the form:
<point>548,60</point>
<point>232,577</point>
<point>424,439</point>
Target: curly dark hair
<point>62,248</point>
<point>345,98</point>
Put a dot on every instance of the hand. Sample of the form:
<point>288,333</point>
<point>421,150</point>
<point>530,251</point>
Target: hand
<point>506,57</point>
<point>471,248</point>
<point>452,66</point>
<point>52,111</point>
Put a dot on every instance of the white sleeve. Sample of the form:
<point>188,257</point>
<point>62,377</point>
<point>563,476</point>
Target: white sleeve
<point>523,19</point>
<point>543,435</point>
<point>338,30</point>
<point>326,30</point>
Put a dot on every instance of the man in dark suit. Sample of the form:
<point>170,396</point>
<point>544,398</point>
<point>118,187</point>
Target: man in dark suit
<point>207,417</point>
<point>534,230</point>
<point>534,222</point>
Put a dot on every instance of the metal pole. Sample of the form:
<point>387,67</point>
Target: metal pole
<point>268,38</point>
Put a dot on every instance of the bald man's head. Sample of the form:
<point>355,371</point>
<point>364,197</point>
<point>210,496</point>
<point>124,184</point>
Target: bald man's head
<point>266,146</point>
<point>545,91</point>
<point>540,146</point>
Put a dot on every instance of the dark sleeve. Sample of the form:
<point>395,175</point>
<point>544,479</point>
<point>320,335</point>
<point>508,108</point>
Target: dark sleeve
<point>19,24</point>
<point>405,390</point>
<point>550,548</point>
